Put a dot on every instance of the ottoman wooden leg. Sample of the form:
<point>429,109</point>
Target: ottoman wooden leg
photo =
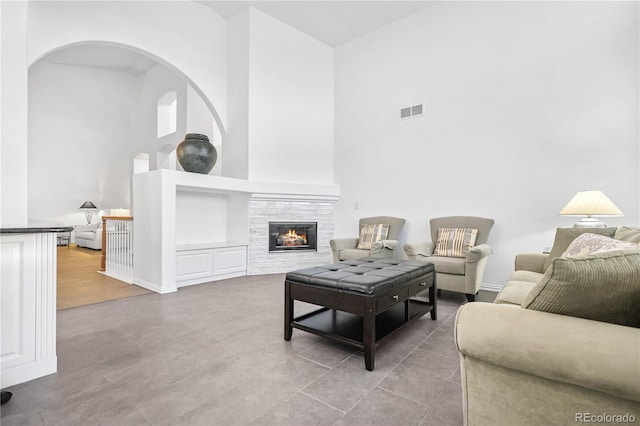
<point>288,311</point>
<point>433,300</point>
<point>369,338</point>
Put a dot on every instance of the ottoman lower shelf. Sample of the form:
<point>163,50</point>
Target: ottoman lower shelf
<point>347,328</point>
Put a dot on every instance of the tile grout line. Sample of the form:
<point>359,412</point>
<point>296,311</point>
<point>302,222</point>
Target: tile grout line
<point>377,385</point>
<point>322,402</point>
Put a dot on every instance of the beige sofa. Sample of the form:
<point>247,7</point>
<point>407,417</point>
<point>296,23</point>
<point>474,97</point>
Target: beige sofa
<point>530,367</point>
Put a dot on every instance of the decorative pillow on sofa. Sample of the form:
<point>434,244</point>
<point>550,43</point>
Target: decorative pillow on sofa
<point>369,234</point>
<point>628,234</point>
<point>591,243</point>
<point>601,287</point>
<point>455,242</point>
<point>564,237</point>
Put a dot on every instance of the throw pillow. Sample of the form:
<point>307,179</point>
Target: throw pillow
<point>564,237</point>
<point>628,234</point>
<point>369,234</point>
<point>601,287</point>
<point>591,243</point>
<point>455,242</point>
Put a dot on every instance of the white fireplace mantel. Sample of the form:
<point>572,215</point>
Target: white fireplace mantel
<point>175,209</point>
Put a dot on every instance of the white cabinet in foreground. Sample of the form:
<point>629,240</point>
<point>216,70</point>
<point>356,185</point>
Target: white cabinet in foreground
<point>200,263</point>
<point>27,307</point>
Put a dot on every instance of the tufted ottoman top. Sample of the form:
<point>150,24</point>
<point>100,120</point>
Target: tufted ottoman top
<point>366,275</point>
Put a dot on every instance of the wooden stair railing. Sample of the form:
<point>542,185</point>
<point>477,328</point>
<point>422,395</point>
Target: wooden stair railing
<point>103,257</point>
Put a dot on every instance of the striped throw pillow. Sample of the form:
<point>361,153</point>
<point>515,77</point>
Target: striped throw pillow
<point>369,234</point>
<point>455,242</point>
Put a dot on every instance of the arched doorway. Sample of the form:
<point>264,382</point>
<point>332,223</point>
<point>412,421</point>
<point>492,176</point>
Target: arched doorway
<point>93,109</point>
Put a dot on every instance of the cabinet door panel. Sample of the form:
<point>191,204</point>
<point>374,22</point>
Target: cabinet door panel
<point>229,260</point>
<point>193,264</point>
<point>18,301</point>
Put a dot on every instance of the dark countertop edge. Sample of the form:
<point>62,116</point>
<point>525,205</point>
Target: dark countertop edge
<point>36,230</point>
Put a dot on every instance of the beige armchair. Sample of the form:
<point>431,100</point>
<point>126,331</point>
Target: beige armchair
<point>462,275</point>
<point>347,248</point>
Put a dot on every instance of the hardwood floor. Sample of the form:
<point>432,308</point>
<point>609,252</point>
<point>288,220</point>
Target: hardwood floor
<point>80,283</point>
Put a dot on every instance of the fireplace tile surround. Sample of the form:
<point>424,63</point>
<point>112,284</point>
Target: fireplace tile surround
<point>265,210</point>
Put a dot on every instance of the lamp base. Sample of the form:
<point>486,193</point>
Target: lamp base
<point>589,222</point>
<point>88,216</point>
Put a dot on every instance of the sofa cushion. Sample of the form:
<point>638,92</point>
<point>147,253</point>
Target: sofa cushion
<point>527,276</point>
<point>601,286</point>
<point>85,235</point>
<point>514,292</point>
<point>369,234</point>
<point>455,242</point>
<point>588,243</point>
<point>87,228</point>
<point>564,237</point>
<point>447,265</point>
<point>520,284</point>
<point>628,234</point>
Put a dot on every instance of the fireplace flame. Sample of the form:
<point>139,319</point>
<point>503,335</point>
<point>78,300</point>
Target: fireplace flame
<point>291,233</point>
<point>292,238</point>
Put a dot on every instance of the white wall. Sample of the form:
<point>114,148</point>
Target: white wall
<point>13,113</point>
<point>280,103</point>
<point>149,88</point>
<point>182,34</point>
<point>79,141</point>
<point>290,104</point>
<point>236,159</point>
<point>526,103</point>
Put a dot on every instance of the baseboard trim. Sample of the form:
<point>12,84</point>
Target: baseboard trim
<point>30,371</point>
<point>151,286</point>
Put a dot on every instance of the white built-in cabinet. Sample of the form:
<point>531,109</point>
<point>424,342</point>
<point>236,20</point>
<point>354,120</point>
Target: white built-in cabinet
<point>28,307</point>
<point>200,263</point>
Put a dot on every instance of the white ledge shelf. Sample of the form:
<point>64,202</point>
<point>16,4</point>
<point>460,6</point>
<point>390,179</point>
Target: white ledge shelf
<point>198,182</point>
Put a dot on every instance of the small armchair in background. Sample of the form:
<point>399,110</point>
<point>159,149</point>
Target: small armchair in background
<point>372,241</point>
<point>462,272</point>
<point>89,236</point>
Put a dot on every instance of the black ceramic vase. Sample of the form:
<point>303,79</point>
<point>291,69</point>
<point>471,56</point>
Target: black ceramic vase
<point>196,154</point>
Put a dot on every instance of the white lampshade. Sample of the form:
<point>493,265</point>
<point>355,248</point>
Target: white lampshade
<point>590,203</point>
<point>120,212</point>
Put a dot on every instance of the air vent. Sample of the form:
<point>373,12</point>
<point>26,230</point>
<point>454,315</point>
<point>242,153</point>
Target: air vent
<point>412,111</point>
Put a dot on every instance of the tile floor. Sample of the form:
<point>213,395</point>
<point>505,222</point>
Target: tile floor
<point>214,354</point>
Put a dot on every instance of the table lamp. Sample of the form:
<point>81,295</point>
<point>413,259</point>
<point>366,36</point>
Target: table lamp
<point>589,204</point>
<point>88,206</point>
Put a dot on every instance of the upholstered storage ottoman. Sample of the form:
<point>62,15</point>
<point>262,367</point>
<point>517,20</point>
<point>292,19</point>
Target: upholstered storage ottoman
<point>364,301</point>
